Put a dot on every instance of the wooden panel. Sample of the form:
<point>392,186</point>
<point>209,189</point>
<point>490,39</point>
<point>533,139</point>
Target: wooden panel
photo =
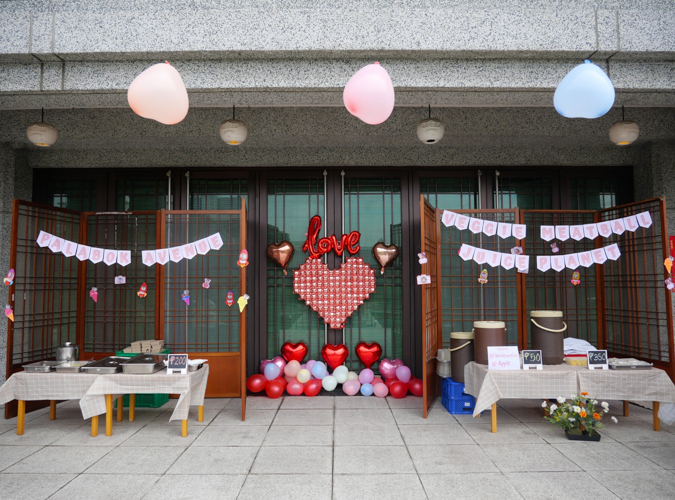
<point>224,374</point>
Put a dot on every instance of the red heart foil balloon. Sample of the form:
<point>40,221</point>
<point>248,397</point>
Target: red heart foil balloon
<point>334,355</point>
<point>368,353</point>
<point>294,351</point>
<point>334,294</point>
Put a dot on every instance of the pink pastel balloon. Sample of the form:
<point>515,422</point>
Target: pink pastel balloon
<point>292,368</point>
<point>380,390</point>
<point>403,374</point>
<point>310,364</point>
<point>366,376</point>
<point>351,387</point>
<point>388,367</point>
<point>159,94</point>
<point>369,94</point>
<point>377,380</point>
<point>263,364</point>
<point>295,388</point>
<point>280,362</point>
<point>289,379</point>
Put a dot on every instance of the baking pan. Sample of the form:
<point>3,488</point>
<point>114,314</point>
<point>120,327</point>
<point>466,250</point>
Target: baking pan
<point>144,363</point>
<point>111,364</point>
<point>71,366</point>
<point>42,366</point>
<point>628,364</point>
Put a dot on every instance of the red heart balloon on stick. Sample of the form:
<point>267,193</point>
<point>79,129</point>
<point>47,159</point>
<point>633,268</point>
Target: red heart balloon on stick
<point>294,351</point>
<point>334,355</point>
<point>368,353</point>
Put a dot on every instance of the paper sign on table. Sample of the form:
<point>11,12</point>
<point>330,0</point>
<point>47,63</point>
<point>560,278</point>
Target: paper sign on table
<point>503,358</point>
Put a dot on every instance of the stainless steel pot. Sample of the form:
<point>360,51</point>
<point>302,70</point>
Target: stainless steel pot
<point>68,352</point>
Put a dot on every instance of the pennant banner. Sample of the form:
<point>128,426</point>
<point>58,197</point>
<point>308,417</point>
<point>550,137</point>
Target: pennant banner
<point>487,227</point>
<point>591,231</point>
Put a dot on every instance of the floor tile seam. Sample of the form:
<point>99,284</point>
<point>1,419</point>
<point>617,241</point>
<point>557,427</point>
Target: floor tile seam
<point>417,473</point>
<point>515,487</point>
<point>623,445</point>
<point>248,471</point>
<point>12,465</point>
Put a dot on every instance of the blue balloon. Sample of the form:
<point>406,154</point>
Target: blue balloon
<point>319,370</point>
<point>585,92</point>
<point>271,371</point>
<point>367,389</point>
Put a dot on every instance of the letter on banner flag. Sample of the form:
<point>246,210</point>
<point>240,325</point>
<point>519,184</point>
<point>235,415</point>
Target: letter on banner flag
<point>215,241</point>
<point>613,252</point>
<point>162,256</point>
<point>604,229</point>
<point>523,263</point>
<point>631,223</point>
<point>489,228</point>
<point>577,233</point>
<point>44,239</point>
<point>519,231</point>
<point>69,248</point>
<point>462,222</point>
<point>203,246</point>
<point>480,256</point>
<point>110,257</point>
<point>466,252</point>
<point>590,231</point>
<point>508,261</point>
<point>562,232</point>
<point>618,227</point>
<point>124,257</point>
<point>475,225</point>
<point>56,244</point>
<point>176,254</point>
<point>644,219</point>
<point>543,263</point>
<point>572,261</point>
<point>189,250</point>
<point>599,256</point>
<point>504,230</point>
<point>83,252</point>
<point>586,259</point>
<point>492,258</point>
<point>96,255</point>
<point>547,233</point>
<point>448,218</point>
<point>149,257</point>
<point>558,262</point>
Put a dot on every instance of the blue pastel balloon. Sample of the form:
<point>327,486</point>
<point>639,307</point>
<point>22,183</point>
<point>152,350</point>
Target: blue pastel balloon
<point>367,390</point>
<point>319,370</point>
<point>271,371</point>
<point>585,92</point>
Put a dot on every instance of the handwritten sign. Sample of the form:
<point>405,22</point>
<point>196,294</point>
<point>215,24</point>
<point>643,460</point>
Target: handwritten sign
<point>503,358</point>
<point>597,359</point>
<point>532,359</point>
<point>177,363</point>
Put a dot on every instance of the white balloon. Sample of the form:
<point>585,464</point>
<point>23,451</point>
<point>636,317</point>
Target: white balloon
<point>329,383</point>
<point>340,374</point>
<point>352,376</point>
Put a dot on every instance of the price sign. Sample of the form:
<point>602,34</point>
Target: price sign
<point>532,359</point>
<point>597,359</point>
<point>177,363</point>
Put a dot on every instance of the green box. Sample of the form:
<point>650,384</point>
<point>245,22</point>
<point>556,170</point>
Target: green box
<point>145,400</point>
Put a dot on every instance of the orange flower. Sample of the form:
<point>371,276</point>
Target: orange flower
<point>584,394</point>
<point>582,414</point>
<point>596,416</point>
<point>581,404</point>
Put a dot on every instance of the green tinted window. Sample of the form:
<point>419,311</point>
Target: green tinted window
<point>71,194</point>
<point>524,193</point>
<point>451,194</point>
<point>593,194</point>
<point>141,194</point>
<point>217,194</point>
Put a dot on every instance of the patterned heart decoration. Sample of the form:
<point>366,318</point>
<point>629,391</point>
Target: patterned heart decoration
<point>334,294</point>
<point>368,353</point>
<point>388,367</point>
<point>294,351</point>
<point>334,355</point>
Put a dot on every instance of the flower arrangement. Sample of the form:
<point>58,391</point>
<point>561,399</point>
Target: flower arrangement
<point>581,414</point>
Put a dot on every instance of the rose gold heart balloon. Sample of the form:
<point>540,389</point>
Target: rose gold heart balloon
<point>281,253</point>
<point>385,254</point>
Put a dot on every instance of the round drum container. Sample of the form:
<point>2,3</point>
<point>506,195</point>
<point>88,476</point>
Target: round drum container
<point>487,333</point>
<point>461,348</point>
<point>548,334</point>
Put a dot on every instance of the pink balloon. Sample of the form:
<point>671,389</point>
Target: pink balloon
<point>351,387</point>
<point>369,94</point>
<point>280,362</point>
<point>403,374</point>
<point>295,388</point>
<point>380,390</point>
<point>377,380</point>
<point>159,93</point>
<point>263,364</point>
<point>289,378</point>
<point>366,376</point>
<point>292,368</point>
<point>388,367</point>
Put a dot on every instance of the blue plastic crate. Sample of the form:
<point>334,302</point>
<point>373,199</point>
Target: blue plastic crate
<point>452,389</point>
<point>461,405</point>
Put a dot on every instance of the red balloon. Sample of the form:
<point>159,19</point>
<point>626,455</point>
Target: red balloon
<point>313,387</point>
<point>391,381</point>
<point>415,386</point>
<point>282,380</point>
<point>368,353</point>
<point>256,383</point>
<point>398,389</point>
<point>295,388</point>
<point>294,351</point>
<point>334,355</point>
<point>274,389</point>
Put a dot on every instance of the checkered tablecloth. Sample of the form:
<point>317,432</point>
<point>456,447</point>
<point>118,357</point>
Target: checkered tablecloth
<point>628,385</point>
<point>27,386</point>
<point>191,388</point>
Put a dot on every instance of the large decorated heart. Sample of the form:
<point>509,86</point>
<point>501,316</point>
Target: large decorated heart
<point>295,352</point>
<point>334,294</point>
<point>334,355</point>
<point>368,353</point>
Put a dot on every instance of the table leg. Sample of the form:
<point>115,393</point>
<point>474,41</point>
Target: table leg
<point>108,414</point>
<point>200,417</point>
<point>132,407</point>
<point>21,419</point>
<point>184,428</point>
<point>120,408</point>
<point>626,409</point>
<point>52,410</point>
<point>494,417</point>
<point>657,421</point>
<point>94,426</point>
<point>479,415</point>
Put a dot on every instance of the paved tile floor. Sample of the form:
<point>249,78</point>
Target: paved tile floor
<point>332,447</point>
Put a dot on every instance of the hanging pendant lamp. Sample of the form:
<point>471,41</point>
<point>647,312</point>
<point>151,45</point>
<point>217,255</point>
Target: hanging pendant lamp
<point>624,132</point>
<point>233,132</point>
<point>42,134</point>
<point>430,130</point>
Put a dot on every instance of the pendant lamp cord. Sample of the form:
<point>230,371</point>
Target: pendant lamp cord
<point>429,111</point>
<point>623,114</point>
<point>43,116</point>
<point>233,111</point>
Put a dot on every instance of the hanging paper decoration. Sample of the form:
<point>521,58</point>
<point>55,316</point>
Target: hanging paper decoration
<point>186,297</point>
<point>423,279</point>
<point>324,245</point>
<point>93,293</point>
<point>159,93</point>
<point>229,300</point>
<point>669,284</point>
<point>143,291</point>
<point>9,280</point>
<point>591,231</point>
<point>334,294</point>
<point>281,253</point>
<point>9,312</point>
<point>120,280</point>
<point>483,277</point>
<point>668,263</point>
<point>334,355</point>
<point>554,247</point>
<point>295,352</point>
<point>207,283</point>
<point>487,227</point>
<point>242,301</point>
<point>243,258</point>
<point>576,278</point>
<point>517,251</point>
<point>369,94</point>
<point>423,257</point>
<point>385,254</point>
<point>585,92</point>
<point>368,353</point>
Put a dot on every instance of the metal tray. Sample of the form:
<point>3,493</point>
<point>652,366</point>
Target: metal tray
<point>144,363</point>
<point>72,366</point>
<point>42,366</point>
<point>111,364</point>
<point>629,364</point>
